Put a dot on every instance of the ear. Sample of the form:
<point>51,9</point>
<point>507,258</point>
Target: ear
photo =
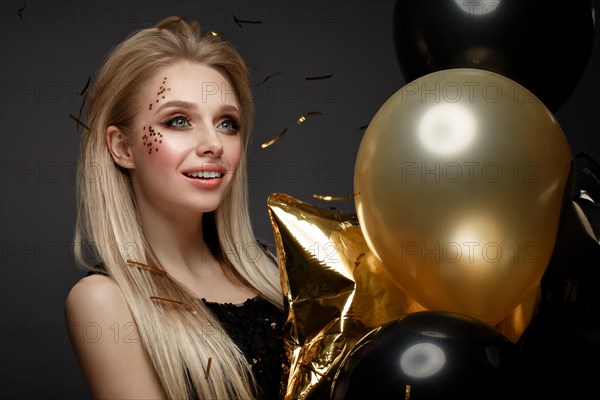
<point>119,147</point>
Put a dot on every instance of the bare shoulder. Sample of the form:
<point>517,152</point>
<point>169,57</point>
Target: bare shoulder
<point>96,316</point>
<point>95,293</point>
<point>107,343</point>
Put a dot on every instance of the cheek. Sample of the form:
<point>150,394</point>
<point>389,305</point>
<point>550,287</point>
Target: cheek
<point>156,170</point>
<point>235,151</point>
<point>164,156</point>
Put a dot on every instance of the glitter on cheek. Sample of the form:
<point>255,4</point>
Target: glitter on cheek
<point>147,139</point>
<point>144,136</point>
<point>161,90</point>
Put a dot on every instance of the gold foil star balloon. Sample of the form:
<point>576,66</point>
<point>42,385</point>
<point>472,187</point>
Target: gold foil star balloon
<point>336,291</point>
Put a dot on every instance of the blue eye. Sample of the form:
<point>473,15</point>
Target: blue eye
<point>229,125</point>
<point>179,121</point>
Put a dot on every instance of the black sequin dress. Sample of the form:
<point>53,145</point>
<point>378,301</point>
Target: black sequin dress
<point>256,326</point>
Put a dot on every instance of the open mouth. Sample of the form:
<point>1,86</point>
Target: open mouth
<point>204,175</point>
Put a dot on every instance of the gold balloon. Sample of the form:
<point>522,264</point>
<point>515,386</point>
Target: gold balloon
<point>461,175</point>
<point>521,316</point>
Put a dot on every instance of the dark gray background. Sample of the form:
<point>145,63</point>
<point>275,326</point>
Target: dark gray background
<point>47,56</point>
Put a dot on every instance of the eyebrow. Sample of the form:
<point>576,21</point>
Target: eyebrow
<point>192,106</point>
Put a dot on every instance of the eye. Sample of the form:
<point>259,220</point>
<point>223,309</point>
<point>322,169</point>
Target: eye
<point>179,121</point>
<point>229,125</point>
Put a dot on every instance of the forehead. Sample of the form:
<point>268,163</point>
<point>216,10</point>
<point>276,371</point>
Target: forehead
<point>190,81</point>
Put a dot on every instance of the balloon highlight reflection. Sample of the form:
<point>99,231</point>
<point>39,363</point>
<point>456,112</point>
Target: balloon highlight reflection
<point>447,129</point>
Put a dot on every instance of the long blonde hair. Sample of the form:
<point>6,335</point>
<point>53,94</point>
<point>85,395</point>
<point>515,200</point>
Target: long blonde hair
<point>179,333</point>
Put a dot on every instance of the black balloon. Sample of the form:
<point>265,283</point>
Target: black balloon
<point>543,45</point>
<point>431,355</point>
<point>561,345</point>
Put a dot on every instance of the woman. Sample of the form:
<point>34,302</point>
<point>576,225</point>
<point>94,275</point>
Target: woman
<point>184,303</point>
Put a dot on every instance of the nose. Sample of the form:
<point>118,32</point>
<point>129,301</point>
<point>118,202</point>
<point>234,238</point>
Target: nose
<point>209,143</point>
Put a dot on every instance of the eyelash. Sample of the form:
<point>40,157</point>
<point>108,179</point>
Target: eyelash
<point>169,122</point>
<point>235,126</point>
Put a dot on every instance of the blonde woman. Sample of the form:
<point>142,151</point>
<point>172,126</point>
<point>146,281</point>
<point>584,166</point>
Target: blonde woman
<point>183,303</point>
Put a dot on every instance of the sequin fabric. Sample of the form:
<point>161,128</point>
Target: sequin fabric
<point>256,326</point>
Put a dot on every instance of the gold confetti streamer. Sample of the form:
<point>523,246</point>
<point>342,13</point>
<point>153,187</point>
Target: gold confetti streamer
<point>239,22</point>
<point>87,84</point>
<point>20,10</point>
<point>84,94</point>
<point>252,68</point>
<point>140,265</point>
<point>268,77</point>
<point>305,116</point>
<point>335,198</point>
<point>211,33</point>
<point>276,138</point>
<point>82,105</point>
<point>299,121</point>
<point>207,373</point>
<point>156,298</point>
<point>407,393</point>
<point>78,122</point>
<point>312,78</point>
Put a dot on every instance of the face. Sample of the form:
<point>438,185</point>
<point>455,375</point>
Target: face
<point>186,145</point>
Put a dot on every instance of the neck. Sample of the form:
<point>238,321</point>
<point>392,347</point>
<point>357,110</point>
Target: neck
<point>176,240</point>
<point>179,246</point>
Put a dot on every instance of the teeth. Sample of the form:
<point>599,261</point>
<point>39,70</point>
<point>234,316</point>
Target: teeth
<point>204,174</point>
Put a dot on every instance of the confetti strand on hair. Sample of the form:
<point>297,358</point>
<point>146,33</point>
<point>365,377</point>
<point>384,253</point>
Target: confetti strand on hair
<point>185,305</point>
<point>207,372</point>
<point>140,265</point>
